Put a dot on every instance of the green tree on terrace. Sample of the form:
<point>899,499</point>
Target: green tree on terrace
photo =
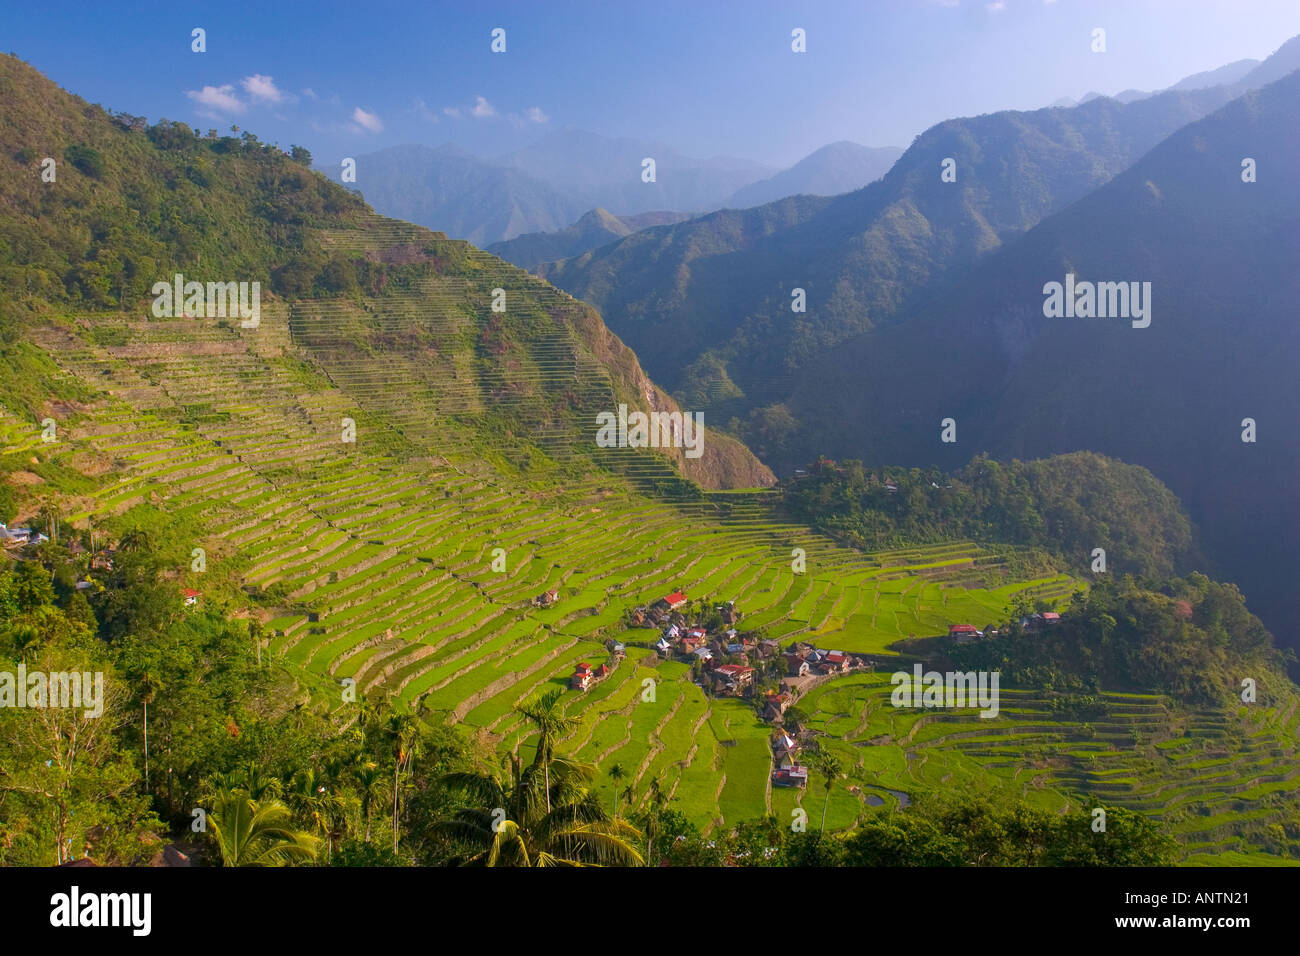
<point>513,823</point>
<point>616,773</point>
<point>546,714</point>
<point>249,832</point>
<point>830,767</point>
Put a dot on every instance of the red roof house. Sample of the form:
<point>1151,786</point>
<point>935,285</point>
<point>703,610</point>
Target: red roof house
<point>582,677</point>
<point>675,600</point>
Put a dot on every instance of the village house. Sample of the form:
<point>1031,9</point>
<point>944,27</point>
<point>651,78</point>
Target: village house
<point>688,644</point>
<point>664,647</point>
<point>704,654</point>
<point>675,600</point>
<point>618,649</point>
<point>17,537</point>
<point>1036,622</point>
<point>191,597</point>
<point>582,677</point>
<point>836,662</point>
<point>796,665</point>
<point>729,613</point>
<point>784,748</point>
<point>769,649</point>
<point>794,776</point>
<point>732,680</point>
<point>547,599</point>
<point>775,705</point>
<point>964,633</point>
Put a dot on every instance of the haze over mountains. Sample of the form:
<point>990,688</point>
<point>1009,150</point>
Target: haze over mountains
<point>549,185</point>
<point>1248,72</point>
<point>593,230</point>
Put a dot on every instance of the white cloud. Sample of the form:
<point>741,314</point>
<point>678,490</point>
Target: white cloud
<point>219,98</point>
<point>263,89</point>
<point>451,111</point>
<point>997,6</point>
<point>535,114</point>
<point>482,107</point>
<point>367,120</point>
<point>308,92</point>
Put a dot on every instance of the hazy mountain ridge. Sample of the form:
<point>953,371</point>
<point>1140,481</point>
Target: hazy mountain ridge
<point>834,169</point>
<point>595,229</point>
<point>722,283</point>
<point>544,187</point>
<point>1220,255</point>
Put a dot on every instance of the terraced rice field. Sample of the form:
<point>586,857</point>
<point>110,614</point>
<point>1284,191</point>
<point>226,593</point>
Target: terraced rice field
<point>385,552</point>
<point>1138,754</point>
<point>407,561</point>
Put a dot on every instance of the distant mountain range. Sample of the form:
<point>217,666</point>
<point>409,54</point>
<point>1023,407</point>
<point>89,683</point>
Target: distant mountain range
<point>595,229</point>
<point>547,186</point>
<point>1250,73</point>
<point>838,168</point>
<point>720,286</point>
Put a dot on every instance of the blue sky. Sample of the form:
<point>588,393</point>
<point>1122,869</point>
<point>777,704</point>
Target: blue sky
<point>705,77</point>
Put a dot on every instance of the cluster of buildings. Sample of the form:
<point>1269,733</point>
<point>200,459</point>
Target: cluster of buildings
<point>725,656</point>
<point>731,663</point>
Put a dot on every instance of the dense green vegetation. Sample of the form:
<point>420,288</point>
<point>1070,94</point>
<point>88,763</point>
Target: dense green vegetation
<point>1067,505</point>
<point>1193,640</point>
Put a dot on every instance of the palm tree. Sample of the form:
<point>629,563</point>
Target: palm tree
<point>616,773</point>
<point>571,828</point>
<point>251,832</point>
<point>370,779</point>
<point>137,539</point>
<point>658,800</point>
<point>830,767</point>
<point>547,716</point>
<point>404,731</point>
<point>312,799</point>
